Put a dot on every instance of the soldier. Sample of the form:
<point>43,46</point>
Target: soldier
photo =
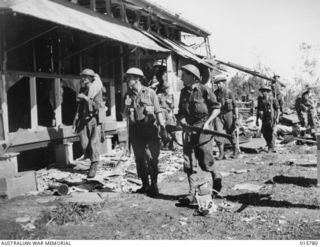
<point>227,119</point>
<point>197,107</point>
<point>143,109</point>
<point>304,108</point>
<point>159,74</point>
<point>166,102</point>
<point>86,119</point>
<point>275,87</point>
<point>268,111</point>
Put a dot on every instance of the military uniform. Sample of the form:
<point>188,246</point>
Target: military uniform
<point>277,94</point>
<point>267,110</point>
<point>304,108</point>
<point>226,121</point>
<point>87,125</point>
<point>166,102</point>
<point>196,105</point>
<point>144,135</point>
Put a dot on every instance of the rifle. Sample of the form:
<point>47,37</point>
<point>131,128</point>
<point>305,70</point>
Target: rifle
<point>188,128</point>
<point>248,71</point>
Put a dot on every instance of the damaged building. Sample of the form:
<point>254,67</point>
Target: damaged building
<point>44,46</point>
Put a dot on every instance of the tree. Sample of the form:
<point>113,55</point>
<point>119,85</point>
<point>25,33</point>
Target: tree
<point>241,84</point>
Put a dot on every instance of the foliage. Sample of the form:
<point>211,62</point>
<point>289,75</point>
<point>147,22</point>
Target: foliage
<point>241,85</point>
<point>306,72</point>
<point>72,212</point>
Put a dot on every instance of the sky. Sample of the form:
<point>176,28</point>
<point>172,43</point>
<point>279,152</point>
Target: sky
<point>251,31</point>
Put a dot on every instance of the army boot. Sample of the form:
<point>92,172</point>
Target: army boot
<point>154,191</point>
<point>216,187</point>
<point>221,152</point>
<point>145,185</point>
<point>190,199</point>
<point>235,154</point>
<point>93,169</point>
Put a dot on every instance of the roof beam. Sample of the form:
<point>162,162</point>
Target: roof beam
<point>32,38</point>
<point>171,17</point>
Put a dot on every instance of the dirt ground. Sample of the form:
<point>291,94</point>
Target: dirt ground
<point>285,206</point>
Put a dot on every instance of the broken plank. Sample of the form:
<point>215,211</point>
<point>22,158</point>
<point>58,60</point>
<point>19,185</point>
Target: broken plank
<point>134,181</point>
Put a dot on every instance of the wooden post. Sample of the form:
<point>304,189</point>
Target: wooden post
<point>173,85</point>
<point>3,92</point>
<point>33,102</point>
<point>158,25</point>
<point>112,101</point>
<point>34,57</point>
<point>93,5</point>
<point>108,141</point>
<point>57,101</point>
<point>124,84</point>
<point>148,22</point>
<point>138,18</point>
<point>166,30</point>
<point>318,159</point>
<point>108,8</point>
<point>237,130</point>
<point>4,107</point>
<point>123,12</point>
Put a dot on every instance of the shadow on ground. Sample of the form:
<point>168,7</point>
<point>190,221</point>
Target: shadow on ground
<point>264,200</point>
<point>299,181</point>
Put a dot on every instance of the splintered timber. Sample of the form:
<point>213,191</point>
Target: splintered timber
<point>35,242</point>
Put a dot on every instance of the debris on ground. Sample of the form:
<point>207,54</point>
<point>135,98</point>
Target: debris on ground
<point>71,212</point>
<point>116,173</point>
<point>247,186</point>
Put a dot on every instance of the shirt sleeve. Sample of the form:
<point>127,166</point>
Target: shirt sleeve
<point>124,109</point>
<point>157,108</point>
<point>96,102</point>
<point>181,110</point>
<point>231,96</point>
<point>234,103</point>
<point>211,100</point>
<point>276,104</point>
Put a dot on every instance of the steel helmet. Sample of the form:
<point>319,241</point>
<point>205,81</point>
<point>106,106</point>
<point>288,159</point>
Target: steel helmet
<point>219,78</point>
<point>192,69</point>
<point>135,71</point>
<point>88,72</point>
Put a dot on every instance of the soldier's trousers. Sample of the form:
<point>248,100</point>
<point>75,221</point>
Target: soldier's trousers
<point>89,135</point>
<point>145,143</point>
<point>224,123</point>
<point>269,134</point>
<point>306,119</point>
<point>196,154</point>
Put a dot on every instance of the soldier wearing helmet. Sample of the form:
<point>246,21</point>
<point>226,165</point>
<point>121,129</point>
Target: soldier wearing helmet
<point>275,88</point>
<point>197,107</point>
<point>159,72</point>
<point>268,110</point>
<point>305,110</point>
<point>86,121</point>
<point>143,111</point>
<point>227,119</point>
<point>166,101</point>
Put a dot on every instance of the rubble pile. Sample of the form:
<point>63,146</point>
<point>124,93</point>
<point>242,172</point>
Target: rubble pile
<point>116,173</point>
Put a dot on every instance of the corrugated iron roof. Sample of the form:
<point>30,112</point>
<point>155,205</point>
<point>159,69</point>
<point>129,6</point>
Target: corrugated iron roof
<point>82,20</point>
